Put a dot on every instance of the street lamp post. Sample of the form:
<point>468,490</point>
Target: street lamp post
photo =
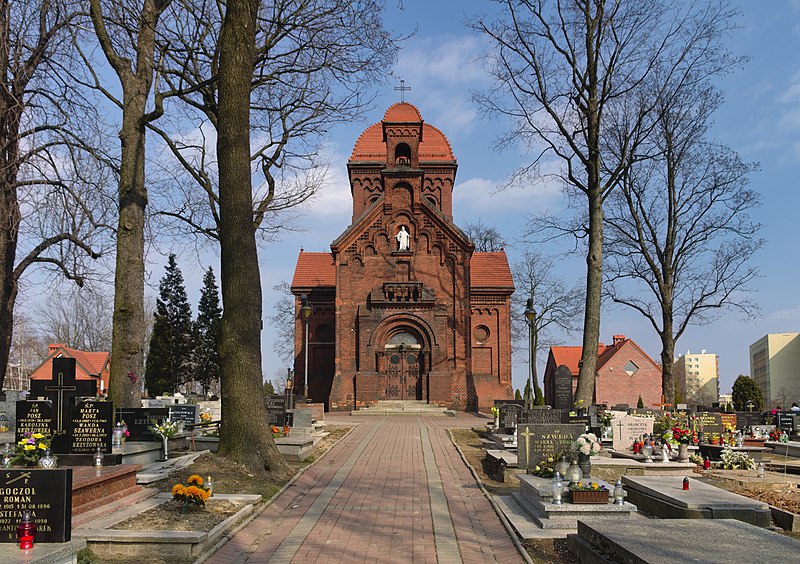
<point>305,313</point>
<point>530,317</point>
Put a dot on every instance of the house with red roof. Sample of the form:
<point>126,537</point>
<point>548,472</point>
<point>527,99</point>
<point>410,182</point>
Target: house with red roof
<point>88,365</point>
<point>624,372</point>
<point>402,307</point>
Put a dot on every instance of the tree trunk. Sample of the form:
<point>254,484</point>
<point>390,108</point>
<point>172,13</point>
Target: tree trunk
<point>245,435</point>
<point>9,230</point>
<point>591,316</point>
<point>668,353</point>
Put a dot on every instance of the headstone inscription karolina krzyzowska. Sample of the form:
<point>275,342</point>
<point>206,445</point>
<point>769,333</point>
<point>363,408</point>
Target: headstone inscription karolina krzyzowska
<point>46,493</point>
<point>538,442</point>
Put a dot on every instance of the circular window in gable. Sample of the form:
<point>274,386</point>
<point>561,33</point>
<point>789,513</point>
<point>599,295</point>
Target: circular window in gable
<point>481,333</point>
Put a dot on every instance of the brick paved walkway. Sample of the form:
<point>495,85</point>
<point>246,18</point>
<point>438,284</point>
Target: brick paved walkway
<point>394,490</point>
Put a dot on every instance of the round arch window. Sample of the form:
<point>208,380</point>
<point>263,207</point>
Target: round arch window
<point>403,338</point>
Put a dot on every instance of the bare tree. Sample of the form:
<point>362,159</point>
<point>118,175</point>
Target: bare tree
<point>486,238</point>
<point>679,235</point>
<point>282,320</point>
<point>51,206</point>
<point>556,306</point>
<point>563,69</point>
<point>126,30</point>
<point>78,318</point>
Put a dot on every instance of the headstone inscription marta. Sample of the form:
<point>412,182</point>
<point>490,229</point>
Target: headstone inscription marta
<point>46,493</point>
<point>91,425</point>
<point>537,442</point>
<point>62,392</point>
<point>562,384</point>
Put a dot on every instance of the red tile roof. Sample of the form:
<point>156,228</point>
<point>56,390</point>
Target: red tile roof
<point>433,147</point>
<point>402,112</point>
<point>490,269</point>
<point>569,356</point>
<point>88,364</point>
<point>314,270</point>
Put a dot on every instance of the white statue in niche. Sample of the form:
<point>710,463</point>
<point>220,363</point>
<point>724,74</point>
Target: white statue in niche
<point>403,239</point>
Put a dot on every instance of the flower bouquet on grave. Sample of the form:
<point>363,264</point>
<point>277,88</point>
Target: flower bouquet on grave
<point>590,492</point>
<point>775,434</point>
<point>546,468</point>
<point>679,435</point>
<point>191,493</point>
<point>166,429</point>
<point>31,448</point>
<point>276,432</point>
<point>587,444</point>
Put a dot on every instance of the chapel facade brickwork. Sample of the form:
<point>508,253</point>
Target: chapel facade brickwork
<point>403,307</point>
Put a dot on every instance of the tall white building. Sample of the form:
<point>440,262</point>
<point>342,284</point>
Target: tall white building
<point>775,366</point>
<point>697,375</point>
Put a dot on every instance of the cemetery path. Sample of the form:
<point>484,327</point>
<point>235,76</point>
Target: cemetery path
<point>394,490</point>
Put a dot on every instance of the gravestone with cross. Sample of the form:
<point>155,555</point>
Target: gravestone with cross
<point>62,391</point>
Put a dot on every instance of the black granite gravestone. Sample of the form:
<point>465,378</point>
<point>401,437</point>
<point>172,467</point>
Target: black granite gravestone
<point>91,425</point>
<point>562,380</point>
<point>276,409</point>
<point>184,412</point>
<point>33,416</point>
<point>536,443</point>
<point>709,422</point>
<point>540,416</point>
<point>745,419</point>
<point>62,391</point>
<point>784,420</point>
<point>139,419</point>
<point>47,493</point>
<point>509,415</point>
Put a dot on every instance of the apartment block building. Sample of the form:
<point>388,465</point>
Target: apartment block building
<point>697,375</point>
<point>775,366</point>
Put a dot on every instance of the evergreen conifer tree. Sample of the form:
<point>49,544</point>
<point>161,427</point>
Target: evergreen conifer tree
<point>209,317</point>
<point>170,354</point>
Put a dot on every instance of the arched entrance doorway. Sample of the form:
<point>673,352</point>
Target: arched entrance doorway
<point>403,365</point>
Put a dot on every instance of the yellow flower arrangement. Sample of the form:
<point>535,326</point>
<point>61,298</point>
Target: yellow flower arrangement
<point>31,448</point>
<point>192,493</point>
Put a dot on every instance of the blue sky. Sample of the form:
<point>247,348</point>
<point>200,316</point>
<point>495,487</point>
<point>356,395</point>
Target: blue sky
<point>442,65</point>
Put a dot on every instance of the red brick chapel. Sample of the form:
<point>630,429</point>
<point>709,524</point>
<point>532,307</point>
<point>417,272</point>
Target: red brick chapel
<point>403,308</point>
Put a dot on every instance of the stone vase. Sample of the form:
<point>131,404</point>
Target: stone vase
<point>585,463</point>
<point>683,453</point>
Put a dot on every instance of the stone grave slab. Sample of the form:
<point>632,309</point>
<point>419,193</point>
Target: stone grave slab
<point>539,442</point>
<point>665,497</point>
<point>626,429</point>
<point>721,541</point>
<point>790,449</point>
<point>562,384</point>
<point>90,427</point>
<point>47,493</point>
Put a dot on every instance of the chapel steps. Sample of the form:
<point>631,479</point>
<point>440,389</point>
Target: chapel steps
<point>403,407</point>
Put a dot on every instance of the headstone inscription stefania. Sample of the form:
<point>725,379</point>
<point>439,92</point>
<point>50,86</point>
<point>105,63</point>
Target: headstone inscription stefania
<point>47,493</point>
<point>91,425</point>
<point>538,442</point>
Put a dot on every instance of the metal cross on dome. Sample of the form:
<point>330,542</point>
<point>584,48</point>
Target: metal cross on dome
<point>403,89</point>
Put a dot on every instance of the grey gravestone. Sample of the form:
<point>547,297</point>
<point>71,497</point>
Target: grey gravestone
<point>90,427</point>
<point>509,415</point>
<point>33,417</point>
<point>540,416</point>
<point>139,419</point>
<point>746,419</point>
<point>626,429</point>
<point>562,380</point>
<point>62,391</point>
<point>709,422</point>
<point>186,412</point>
<point>302,418</point>
<point>537,442</point>
<point>47,493</point>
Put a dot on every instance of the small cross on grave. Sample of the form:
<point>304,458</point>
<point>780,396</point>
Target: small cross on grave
<point>662,405</point>
<point>61,391</point>
<point>403,89</point>
<point>526,433</point>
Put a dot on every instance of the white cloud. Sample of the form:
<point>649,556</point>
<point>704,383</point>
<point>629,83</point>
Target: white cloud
<point>483,196</point>
<point>787,317</point>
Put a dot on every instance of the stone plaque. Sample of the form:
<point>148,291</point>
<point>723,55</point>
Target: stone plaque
<point>585,420</point>
<point>746,419</point>
<point>33,416</point>
<point>729,419</point>
<point>538,442</point>
<point>562,380</point>
<point>90,427</point>
<point>540,416</point>
<point>276,409</point>
<point>709,422</point>
<point>186,412</point>
<point>47,493</point>
<point>509,415</point>
<point>626,429</point>
<point>784,420</point>
<point>302,418</point>
<point>139,420</point>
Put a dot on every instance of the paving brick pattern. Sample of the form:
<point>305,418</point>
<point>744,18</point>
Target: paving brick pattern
<point>394,490</point>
